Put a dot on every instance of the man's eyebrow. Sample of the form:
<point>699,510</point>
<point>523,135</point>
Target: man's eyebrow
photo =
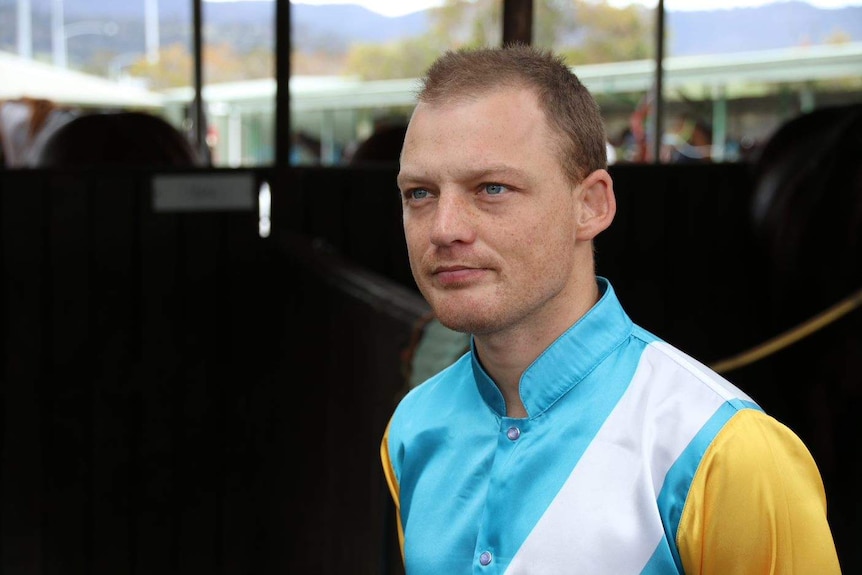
<point>406,176</point>
<point>491,172</point>
<point>501,170</point>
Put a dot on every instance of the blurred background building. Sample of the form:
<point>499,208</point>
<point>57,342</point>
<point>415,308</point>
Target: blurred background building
<point>732,72</point>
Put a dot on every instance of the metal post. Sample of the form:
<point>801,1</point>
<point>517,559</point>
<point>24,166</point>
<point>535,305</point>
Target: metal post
<point>658,97</point>
<point>25,29</point>
<point>282,86</point>
<point>198,106</point>
<point>58,33</point>
<point>234,138</point>
<point>517,21</point>
<point>151,30</point>
<point>719,124</point>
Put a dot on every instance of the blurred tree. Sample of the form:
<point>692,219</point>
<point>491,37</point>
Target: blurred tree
<point>552,19</point>
<point>316,63</point>
<point>258,62</point>
<point>583,31</point>
<point>453,25</point>
<point>174,68</point>
<point>403,59</point>
<point>221,64</point>
<point>594,32</point>
<point>478,23</point>
<point>838,37</point>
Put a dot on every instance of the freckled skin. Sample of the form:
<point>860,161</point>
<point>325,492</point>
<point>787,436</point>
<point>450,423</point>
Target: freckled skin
<point>507,265</point>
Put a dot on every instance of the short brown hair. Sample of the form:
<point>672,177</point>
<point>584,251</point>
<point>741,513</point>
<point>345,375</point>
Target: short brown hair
<point>570,109</point>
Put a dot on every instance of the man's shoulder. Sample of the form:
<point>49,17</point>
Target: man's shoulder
<point>662,360</point>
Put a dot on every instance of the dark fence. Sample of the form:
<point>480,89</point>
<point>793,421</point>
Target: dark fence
<point>134,380</point>
<point>180,395</point>
<point>356,212</point>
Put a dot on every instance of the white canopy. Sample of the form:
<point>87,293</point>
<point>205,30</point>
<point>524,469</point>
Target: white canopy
<point>22,77</point>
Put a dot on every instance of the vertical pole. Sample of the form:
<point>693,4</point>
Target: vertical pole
<point>282,86</point>
<point>234,138</point>
<point>328,154</point>
<point>25,29</point>
<point>719,124</point>
<point>807,101</point>
<point>151,30</point>
<point>198,106</point>
<point>58,33</point>
<point>658,97</point>
<point>517,21</point>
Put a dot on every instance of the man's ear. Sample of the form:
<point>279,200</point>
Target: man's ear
<point>598,205</point>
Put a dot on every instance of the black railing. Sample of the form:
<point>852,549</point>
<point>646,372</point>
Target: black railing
<point>180,395</point>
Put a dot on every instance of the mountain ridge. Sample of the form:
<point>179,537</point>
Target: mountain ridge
<point>334,27</point>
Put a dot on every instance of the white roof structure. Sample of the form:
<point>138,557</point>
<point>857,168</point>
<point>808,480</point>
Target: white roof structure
<point>22,77</point>
<point>736,70</point>
<point>307,93</point>
<point>735,74</point>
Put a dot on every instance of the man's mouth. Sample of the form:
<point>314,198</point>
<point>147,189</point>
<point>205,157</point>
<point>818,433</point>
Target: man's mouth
<point>456,275</point>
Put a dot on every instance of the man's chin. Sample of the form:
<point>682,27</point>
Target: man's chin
<point>463,310</point>
<point>463,319</point>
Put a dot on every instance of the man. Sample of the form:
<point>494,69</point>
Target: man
<point>568,440</point>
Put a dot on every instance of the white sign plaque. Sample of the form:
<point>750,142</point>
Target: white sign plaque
<point>206,191</point>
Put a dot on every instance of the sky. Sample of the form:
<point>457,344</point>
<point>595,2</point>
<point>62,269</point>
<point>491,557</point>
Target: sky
<point>401,7</point>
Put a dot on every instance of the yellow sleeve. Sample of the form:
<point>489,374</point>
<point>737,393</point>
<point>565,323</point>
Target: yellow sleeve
<point>756,505</point>
<point>391,480</point>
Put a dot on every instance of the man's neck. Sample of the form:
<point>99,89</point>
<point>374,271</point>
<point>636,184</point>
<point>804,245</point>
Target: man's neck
<point>507,354</point>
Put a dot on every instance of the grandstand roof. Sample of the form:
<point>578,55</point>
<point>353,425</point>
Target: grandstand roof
<point>23,77</point>
<point>729,72</point>
<point>733,73</point>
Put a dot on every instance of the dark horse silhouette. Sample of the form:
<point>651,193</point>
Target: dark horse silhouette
<point>807,216</point>
<point>117,139</point>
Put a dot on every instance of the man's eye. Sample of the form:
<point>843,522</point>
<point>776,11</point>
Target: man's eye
<point>417,194</point>
<point>494,189</point>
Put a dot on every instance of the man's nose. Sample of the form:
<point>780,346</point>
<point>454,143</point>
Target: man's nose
<point>453,220</point>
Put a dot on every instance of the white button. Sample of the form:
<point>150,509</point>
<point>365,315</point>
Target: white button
<point>485,559</point>
<point>513,433</point>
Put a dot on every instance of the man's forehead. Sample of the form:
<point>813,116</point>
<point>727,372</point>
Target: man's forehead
<point>471,94</point>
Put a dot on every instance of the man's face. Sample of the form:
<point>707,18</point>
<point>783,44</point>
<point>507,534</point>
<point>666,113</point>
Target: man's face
<point>489,215</point>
